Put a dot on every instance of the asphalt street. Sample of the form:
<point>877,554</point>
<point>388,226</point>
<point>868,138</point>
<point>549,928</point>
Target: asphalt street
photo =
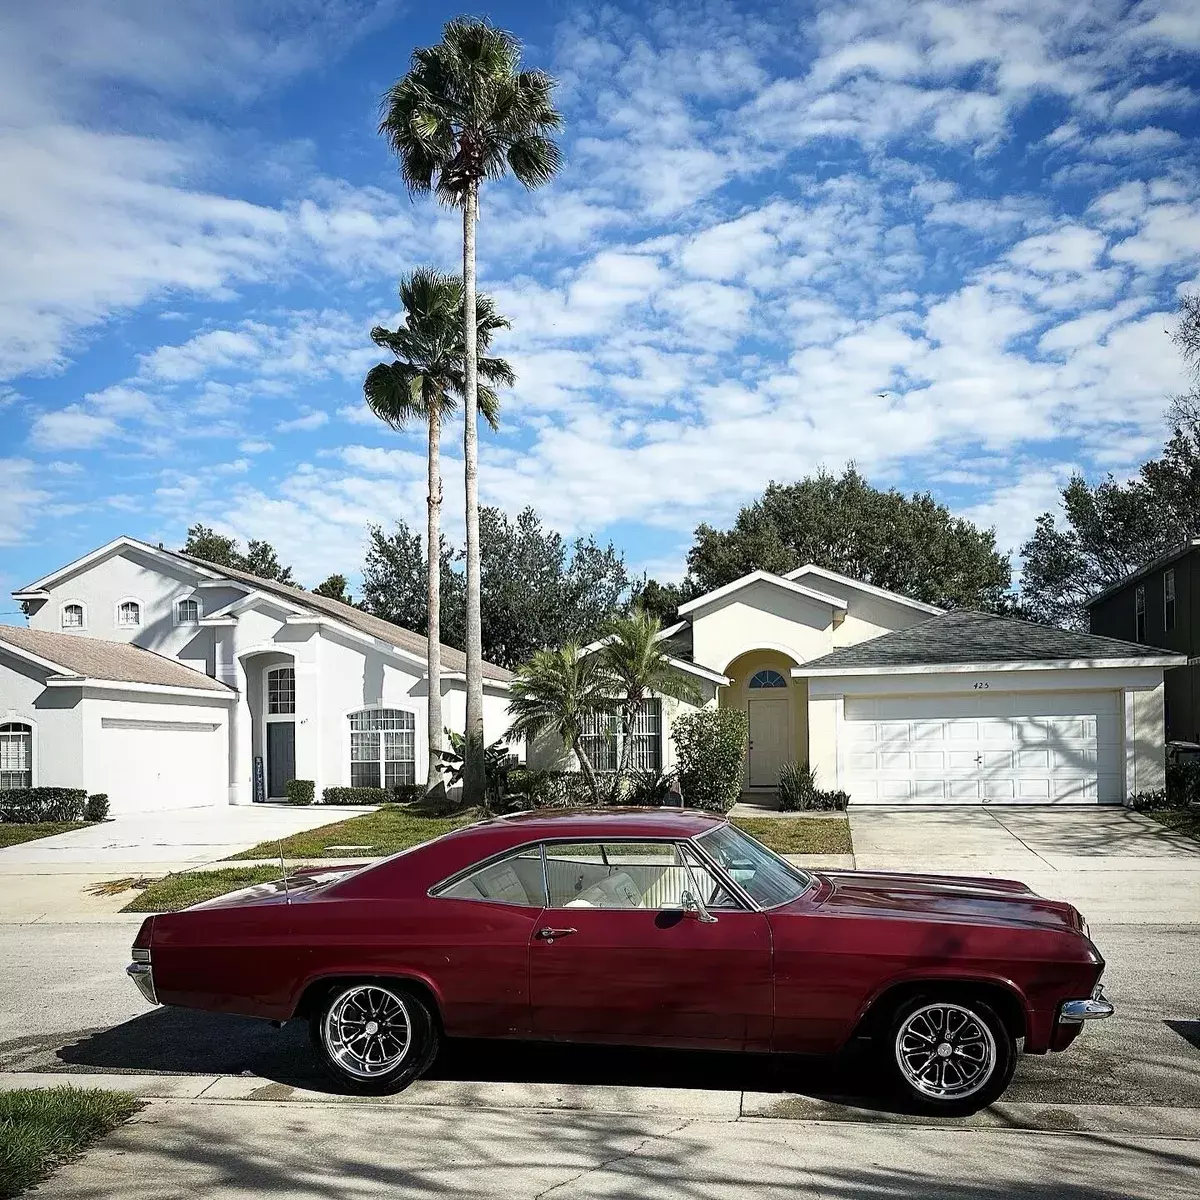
<point>65,1005</point>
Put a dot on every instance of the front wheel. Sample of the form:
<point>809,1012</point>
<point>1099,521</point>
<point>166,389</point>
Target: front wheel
<point>375,1037</point>
<point>950,1057</point>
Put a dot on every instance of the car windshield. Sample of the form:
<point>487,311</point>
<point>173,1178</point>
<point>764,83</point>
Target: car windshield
<point>768,879</point>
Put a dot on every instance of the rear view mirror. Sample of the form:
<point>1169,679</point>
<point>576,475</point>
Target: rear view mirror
<point>694,908</point>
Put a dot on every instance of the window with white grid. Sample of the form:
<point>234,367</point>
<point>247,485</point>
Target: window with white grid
<point>129,613</point>
<point>187,612</point>
<point>16,756</point>
<point>383,747</point>
<point>281,691</point>
<point>647,737</point>
<point>72,616</point>
<point>602,736</point>
<point>599,741</point>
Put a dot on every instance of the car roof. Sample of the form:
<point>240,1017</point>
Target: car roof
<point>610,822</point>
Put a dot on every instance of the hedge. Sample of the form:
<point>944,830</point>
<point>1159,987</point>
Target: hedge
<point>28,806</point>
<point>97,807</point>
<point>710,748</point>
<point>300,791</point>
<point>356,795</point>
<point>798,791</point>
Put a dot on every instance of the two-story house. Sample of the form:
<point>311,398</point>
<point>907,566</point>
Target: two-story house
<point>167,682</point>
<point>1159,605</point>
<point>898,702</point>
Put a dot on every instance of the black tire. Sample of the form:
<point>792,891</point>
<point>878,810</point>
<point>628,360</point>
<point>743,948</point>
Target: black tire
<point>972,1073</point>
<point>399,1049</point>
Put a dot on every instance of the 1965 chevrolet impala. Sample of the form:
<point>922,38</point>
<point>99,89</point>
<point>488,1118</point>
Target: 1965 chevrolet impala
<point>639,927</point>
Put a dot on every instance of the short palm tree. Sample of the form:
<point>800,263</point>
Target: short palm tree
<point>636,666</point>
<point>561,692</point>
<point>425,383</point>
<point>465,112</point>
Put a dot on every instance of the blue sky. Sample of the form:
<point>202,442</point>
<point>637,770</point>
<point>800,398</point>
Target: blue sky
<point>941,239</point>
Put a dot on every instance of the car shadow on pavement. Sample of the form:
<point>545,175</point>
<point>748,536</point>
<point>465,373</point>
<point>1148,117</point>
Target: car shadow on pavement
<point>183,1041</point>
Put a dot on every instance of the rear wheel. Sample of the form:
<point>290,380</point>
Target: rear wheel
<point>373,1036</point>
<point>949,1056</point>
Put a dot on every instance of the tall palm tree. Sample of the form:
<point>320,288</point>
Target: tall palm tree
<point>466,112</point>
<point>425,383</point>
<point>560,691</point>
<point>636,666</point>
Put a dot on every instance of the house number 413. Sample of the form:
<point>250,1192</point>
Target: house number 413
<point>981,685</point>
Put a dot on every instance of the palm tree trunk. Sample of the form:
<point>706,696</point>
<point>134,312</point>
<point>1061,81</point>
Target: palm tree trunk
<point>433,778</point>
<point>473,756</point>
<point>628,717</point>
<point>585,768</point>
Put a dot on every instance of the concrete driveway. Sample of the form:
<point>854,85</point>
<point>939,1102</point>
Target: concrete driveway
<point>50,877</point>
<point>1116,866</point>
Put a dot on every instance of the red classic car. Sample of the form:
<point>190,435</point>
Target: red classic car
<point>639,927</point>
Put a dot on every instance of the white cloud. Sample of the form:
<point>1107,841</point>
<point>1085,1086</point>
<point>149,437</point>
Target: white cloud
<point>71,428</point>
<point>23,499</point>
<point>305,423</point>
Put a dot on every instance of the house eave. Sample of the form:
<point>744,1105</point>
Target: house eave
<point>690,668</point>
<point>125,685</point>
<point>719,594</point>
<point>1041,664</point>
<point>868,588</point>
<point>1161,560</point>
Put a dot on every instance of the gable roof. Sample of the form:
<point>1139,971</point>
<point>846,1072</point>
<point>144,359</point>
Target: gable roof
<point>810,569</point>
<point>965,637</point>
<point>88,658</point>
<point>394,635</point>
<point>1148,568</point>
<point>32,591</point>
<point>760,577</point>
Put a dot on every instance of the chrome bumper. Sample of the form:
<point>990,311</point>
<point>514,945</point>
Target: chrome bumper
<point>142,974</point>
<point>1075,1011</point>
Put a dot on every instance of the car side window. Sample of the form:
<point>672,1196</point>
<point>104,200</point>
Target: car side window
<point>516,879</point>
<point>626,875</point>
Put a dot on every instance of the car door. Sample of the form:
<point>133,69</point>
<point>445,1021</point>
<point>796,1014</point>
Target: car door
<point>616,957</point>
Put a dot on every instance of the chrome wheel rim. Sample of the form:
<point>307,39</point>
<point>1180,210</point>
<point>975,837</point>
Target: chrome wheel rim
<point>945,1051</point>
<point>367,1031</point>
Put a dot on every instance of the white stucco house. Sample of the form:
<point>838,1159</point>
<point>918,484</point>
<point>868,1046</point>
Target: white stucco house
<point>898,702</point>
<point>166,682</point>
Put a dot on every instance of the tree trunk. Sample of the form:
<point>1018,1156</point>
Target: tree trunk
<point>473,749</point>
<point>585,769</point>
<point>625,760</point>
<point>433,777</point>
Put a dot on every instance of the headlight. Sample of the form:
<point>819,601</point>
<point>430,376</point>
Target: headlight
<point>1087,933</point>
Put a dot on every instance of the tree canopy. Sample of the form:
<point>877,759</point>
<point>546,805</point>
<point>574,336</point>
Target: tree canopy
<point>259,559</point>
<point>907,544</point>
<point>336,588</point>
<point>1107,530</point>
<point>538,589</point>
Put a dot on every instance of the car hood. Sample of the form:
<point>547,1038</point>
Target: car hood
<point>942,897</point>
<point>302,884</point>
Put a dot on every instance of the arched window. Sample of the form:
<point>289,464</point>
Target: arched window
<point>16,755</point>
<point>768,679</point>
<point>187,612</point>
<point>383,747</point>
<point>72,616</point>
<point>129,614</point>
<point>281,691</point>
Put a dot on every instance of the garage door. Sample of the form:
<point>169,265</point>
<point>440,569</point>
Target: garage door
<point>147,766</point>
<point>1002,748</point>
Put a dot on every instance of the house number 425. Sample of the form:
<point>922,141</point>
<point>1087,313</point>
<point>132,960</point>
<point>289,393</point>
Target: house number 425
<point>981,685</point>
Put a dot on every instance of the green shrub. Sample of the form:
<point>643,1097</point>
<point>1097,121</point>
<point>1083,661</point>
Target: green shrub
<point>556,789</point>
<point>798,791</point>
<point>1151,801</point>
<point>647,789</point>
<point>96,808</point>
<point>356,795</point>
<point>300,791</point>
<point>30,806</point>
<point>1183,783</point>
<point>408,793</point>
<point>710,749</point>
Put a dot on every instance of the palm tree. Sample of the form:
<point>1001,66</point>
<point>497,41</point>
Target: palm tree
<point>560,691</point>
<point>466,112</point>
<point>425,383</point>
<point>635,666</point>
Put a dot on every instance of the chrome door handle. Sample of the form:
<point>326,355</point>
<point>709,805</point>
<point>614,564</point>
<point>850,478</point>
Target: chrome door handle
<point>548,935</point>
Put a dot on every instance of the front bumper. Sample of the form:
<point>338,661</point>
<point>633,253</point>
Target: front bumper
<point>143,975</point>
<point>1075,1012</point>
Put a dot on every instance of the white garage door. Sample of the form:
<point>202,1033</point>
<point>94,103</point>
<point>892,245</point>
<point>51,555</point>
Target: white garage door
<point>147,766</point>
<point>998,747</point>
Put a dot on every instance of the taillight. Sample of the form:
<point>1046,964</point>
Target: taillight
<point>144,935</point>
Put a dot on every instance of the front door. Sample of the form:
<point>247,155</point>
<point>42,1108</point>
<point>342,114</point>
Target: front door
<point>768,741</point>
<point>616,958</point>
<point>281,757</point>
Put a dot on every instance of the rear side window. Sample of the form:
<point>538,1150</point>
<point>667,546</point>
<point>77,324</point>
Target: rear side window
<point>517,879</point>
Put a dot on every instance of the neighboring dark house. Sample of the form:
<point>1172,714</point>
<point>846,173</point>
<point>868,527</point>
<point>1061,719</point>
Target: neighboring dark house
<point>1159,605</point>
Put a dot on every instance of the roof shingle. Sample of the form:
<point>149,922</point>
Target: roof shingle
<point>965,636</point>
<point>94,658</point>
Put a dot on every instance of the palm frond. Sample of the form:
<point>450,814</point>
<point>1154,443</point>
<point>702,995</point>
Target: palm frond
<point>394,392</point>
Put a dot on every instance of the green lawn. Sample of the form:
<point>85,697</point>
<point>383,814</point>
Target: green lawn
<point>13,835</point>
<point>388,830</point>
<point>41,1128</point>
<point>799,835</point>
<point>174,892</point>
<point>1180,820</point>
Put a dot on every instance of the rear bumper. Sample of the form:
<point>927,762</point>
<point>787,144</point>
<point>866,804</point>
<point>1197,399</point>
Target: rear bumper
<point>143,975</point>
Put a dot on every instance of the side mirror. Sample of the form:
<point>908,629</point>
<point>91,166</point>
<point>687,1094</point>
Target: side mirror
<point>694,908</point>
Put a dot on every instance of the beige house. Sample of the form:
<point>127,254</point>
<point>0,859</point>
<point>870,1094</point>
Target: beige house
<point>898,702</point>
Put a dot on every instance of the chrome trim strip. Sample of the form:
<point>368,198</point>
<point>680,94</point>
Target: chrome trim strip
<point>142,974</point>
<point>1072,1012</point>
